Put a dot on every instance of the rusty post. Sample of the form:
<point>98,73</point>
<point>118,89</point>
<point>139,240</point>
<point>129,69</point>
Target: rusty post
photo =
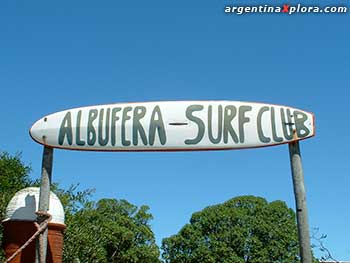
<point>300,202</point>
<point>44,202</point>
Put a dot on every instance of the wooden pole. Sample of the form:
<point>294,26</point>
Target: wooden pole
<point>44,202</point>
<point>300,201</point>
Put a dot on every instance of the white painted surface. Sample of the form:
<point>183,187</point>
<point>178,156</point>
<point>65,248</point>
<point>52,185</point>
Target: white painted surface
<point>174,125</point>
<point>25,203</point>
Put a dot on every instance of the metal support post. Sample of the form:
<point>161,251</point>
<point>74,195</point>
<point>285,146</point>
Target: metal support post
<point>300,201</point>
<point>44,202</point>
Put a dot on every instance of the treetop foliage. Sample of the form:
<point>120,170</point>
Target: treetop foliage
<point>244,229</point>
<point>14,176</point>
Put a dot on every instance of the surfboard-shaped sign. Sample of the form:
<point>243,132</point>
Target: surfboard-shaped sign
<point>173,126</point>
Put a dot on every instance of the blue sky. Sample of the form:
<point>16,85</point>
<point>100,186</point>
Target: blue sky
<point>59,55</point>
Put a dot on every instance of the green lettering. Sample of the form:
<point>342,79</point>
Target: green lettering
<point>77,135</point>
<point>91,133</point>
<point>262,137</point>
<point>273,127</point>
<point>198,121</point>
<point>157,124</point>
<point>125,117</point>
<point>242,119</point>
<point>103,141</point>
<point>115,118</point>
<point>66,129</point>
<point>300,118</point>
<point>230,113</point>
<point>210,124</point>
<point>139,113</point>
<point>287,125</point>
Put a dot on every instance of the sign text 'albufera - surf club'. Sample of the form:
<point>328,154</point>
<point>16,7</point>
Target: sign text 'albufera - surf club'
<point>178,126</point>
<point>203,124</point>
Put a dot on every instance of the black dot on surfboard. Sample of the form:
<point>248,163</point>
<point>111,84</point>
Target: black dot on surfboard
<point>45,119</point>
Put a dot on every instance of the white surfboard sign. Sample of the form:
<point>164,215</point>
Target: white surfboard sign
<point>173,126</point>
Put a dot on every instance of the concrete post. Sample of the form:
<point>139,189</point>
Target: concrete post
<point>44,202</point>
<point>300,201</point>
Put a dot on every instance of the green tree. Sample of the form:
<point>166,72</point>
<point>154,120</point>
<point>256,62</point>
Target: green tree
<point>14,176</point>
<point>244,229</point>
<point>107,231</point>
<point>110,231</point>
